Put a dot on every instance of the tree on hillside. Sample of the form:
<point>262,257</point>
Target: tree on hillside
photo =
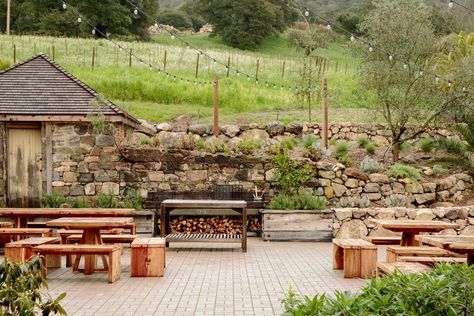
<point>246,23</point>
<point>108,16</point>
<point>406,91</point>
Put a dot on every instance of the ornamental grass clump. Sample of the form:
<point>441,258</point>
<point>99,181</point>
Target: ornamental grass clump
<point>401,171</point>
<point>445,290</point>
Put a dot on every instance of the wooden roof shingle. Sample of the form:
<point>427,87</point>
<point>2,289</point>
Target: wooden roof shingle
<point>40,87</point>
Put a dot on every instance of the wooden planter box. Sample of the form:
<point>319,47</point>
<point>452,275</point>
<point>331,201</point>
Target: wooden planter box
<point>294,225</point>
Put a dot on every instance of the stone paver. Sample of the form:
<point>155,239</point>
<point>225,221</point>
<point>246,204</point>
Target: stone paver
<point>200,280</point>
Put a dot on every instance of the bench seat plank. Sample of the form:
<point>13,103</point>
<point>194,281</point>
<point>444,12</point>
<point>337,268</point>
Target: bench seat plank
<point>76,249</point>
<point>403,267</point>
<point>432,260</point>
<point>105,238</point>
<point>354,243</point>
<point>384,240</point>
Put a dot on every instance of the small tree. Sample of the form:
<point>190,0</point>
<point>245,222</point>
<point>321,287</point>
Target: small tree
<point>407,94</point>
<point>290,174</point>
<point>22,290</point>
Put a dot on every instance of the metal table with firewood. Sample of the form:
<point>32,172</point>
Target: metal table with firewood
<point>239,206</point>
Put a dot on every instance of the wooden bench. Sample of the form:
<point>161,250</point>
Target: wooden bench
<point>148,257</point>
<point>394,252</point>
<point>5,238</point>
<point>384,240</point>
<point>357,257</point>
<point>20,250</point>
<point>106,239</point>
<point>431,261</point>
<point>26,232</point>
<point>113,252</point>
<point>65,233</point>
<point>403,267</point>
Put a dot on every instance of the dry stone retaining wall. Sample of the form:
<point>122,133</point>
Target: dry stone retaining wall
<point>355,222</point>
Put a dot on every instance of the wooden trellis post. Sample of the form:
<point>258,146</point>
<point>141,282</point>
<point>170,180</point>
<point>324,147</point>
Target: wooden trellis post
<point>216,106</point>
<point>325,113</point>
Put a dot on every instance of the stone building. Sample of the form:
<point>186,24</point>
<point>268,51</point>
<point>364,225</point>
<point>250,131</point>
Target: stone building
<point>46,117</point>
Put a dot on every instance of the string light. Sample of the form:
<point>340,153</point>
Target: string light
<point>173,37</point>
<point>421,72</point>
<point>352,38</point>
<point>135,11</point>
<point>93,31</point>
<point>306,12</point>
<point>371,49</point>
<point>437,79</point>
<point>450,83</point>
<point>464,89</point>
<point>328,27</point>
<point>450,4</point>
<point>156,24</point>
<point>405,65</point>
<point>79,19</point>
<point>390,57</point>
<point>64,6</point>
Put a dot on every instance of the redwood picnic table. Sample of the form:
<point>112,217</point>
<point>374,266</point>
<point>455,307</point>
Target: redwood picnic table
<point>17,214</point>
<point>237,205</point>
<point>455,243</point>
<point>91,227</point>
<point>411,228</point>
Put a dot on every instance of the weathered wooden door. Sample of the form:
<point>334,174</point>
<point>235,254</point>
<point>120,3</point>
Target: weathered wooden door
<point>24,167</point>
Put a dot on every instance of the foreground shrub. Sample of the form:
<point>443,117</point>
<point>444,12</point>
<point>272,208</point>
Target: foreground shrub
<point>290,174</point>
<point>133,199</point>
<point>106,200</point>
<point>401,171</point>
<point>23,290</point>
<point>52,200</point>
<point>297,202</point>
<point>445,290</point>
<point>248,146</point>
<point>427,144</point>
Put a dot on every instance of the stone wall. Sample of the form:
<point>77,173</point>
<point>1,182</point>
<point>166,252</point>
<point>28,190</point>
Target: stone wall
<point>356,223</point>
<point>378,133</point>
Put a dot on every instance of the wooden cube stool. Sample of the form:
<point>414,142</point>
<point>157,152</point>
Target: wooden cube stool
<point>148,257</point>
<point>357,257</point>
<point>20,250</point>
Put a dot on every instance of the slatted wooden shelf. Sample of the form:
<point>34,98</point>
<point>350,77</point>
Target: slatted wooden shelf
<point>231,238</point>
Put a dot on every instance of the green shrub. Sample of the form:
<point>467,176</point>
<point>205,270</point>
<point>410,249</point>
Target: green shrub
<point>445,290</point>
<point>427,144</point>
<point>362,141</point>
<point>52,200</point>
<point>200,144</point>
<point>369,165</point>
<point>297,202</point>
<point>439,170</point>
<point>216,146</point>
<point>4,64</point>
<point>401,171</point>
<point>145,141</point>
<point>404,147</point>
<point>106,200</point>
<point>23,290</point>
<point>133,199</point>
<point>309,141</point>
<point>289,143</point>
<point>451,145</point>
<point>290,175</point>
<point>341,150</point>
<point>78,203</point>
<point>370,148</point>
<point>248,146</point>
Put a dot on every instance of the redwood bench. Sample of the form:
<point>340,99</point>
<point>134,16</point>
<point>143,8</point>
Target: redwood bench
<point>384,240</point>
<point>403,267</point>
<point>394,252</point>
<point>20,250</point>
<point>431,261</point>
<point>106,239</point>
<point>357,257</point>
<point>112,251</point>
<point>24,232</point>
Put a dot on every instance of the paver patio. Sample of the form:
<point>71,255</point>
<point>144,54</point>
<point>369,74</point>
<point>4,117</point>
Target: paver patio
<point>208,279</point>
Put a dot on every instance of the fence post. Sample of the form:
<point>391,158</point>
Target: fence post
<point>197,65</point>
<point>216,106</point>
<point>14,53</point>
<point>256,72</point>
<point>325,113</point>
<point>228,66</point>
<point>283,70</point>
<point>53,52</point>
<point>130,58</point>
<point>93,57</point>
<point>164,61</point>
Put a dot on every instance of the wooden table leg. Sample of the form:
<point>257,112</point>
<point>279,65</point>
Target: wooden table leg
<point>91,237</point>
<point>408,239</point>
<point>470,259</point>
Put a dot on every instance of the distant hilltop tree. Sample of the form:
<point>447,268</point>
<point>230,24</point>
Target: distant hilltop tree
<point>108,16</point>
<point>246,23</point>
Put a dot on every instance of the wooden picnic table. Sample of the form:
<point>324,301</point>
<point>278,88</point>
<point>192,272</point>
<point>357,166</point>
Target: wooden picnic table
<point>455,243</point>
<point>23,213</point>
<point>91,227</point>
<point>237,205</point>
<point>411,228</point>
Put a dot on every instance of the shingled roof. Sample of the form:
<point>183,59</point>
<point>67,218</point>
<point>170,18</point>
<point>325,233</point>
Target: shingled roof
<point>40,88</point>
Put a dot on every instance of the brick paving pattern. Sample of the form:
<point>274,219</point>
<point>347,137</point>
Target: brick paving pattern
<point>200,280</point>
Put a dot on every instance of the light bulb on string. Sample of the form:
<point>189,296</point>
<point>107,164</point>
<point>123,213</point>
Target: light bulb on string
<point>464,89</point>
<point>450,4</point>
<point>390,57</point>
<point>405,65</point>
<point>156,24</point>
<point>215,61</point>
<point>328,27</point>
<point>238,73</point>
<point>256,81</point>
<point>93,31</point>
<point>248,77</point>
<point>306,12</point>
<point>173,37</point>
<point>135,11</point>
<point>450,83</point>
<point>352,38</point>
<point>437,79</point>
<point>79,20</point>
<point>371,48</point>
<point>421,72</point>
<point>266,84</point>
<point>64,5</point>
<point>188,46</point>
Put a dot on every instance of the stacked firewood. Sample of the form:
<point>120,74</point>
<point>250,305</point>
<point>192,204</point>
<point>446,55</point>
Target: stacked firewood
<point>212,225</point>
